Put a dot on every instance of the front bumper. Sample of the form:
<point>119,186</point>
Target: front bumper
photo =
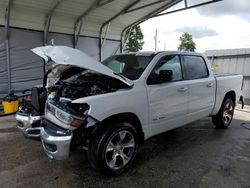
<point>29,125</point>
<point>56,141</point>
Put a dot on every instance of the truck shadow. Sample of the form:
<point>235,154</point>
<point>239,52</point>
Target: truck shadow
<point>179,156</point>
<point>178,142</point>
<point>168,147</point>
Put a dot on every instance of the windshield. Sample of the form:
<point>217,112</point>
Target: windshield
<point>129,65</point>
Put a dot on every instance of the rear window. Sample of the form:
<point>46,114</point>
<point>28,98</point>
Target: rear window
<point>194,67</point>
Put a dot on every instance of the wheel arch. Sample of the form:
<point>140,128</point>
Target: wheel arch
<point>217,119</point>
<point>231,95</point>
<point>126,117</point>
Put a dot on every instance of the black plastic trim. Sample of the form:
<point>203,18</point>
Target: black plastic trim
<point>53,130</point>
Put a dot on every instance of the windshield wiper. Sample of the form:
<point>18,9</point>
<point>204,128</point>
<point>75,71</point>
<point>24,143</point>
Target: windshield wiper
<point>119,74</point>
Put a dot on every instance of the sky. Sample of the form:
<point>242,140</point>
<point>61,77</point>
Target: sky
<point>221,25</point>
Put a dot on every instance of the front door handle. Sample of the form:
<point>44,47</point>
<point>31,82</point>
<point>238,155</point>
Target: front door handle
<point>210,84</point>
<point>182,89</point>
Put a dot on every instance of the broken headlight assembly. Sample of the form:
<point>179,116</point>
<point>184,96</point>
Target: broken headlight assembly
<point>66,117</point>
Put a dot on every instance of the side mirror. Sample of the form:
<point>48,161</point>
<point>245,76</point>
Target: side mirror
<point>166,75</point>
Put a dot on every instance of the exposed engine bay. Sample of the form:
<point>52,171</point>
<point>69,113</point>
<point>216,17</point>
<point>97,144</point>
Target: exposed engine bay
<point>77,82</point>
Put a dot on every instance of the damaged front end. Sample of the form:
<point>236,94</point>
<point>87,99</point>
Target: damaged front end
<point>67,125</point>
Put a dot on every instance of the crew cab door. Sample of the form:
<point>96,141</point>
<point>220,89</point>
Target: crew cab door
<point>168,99</point>
<point>201,87</point>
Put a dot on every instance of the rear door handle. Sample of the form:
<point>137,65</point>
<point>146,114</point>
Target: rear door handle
<point>210,84</point>
<point>182,89</point>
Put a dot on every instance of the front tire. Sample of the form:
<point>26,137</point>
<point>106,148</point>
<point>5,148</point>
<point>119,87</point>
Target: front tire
<point>224,117</point>
<point>112,149</point>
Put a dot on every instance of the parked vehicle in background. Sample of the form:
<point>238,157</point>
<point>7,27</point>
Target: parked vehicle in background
<point>30,112</point>
<point>109,108</point>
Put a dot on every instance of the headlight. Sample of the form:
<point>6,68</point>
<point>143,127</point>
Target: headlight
<point>67,118</point>
<point>63,116</point>
<point>50,108</point>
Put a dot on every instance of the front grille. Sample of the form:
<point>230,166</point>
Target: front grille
<point>53,129</point>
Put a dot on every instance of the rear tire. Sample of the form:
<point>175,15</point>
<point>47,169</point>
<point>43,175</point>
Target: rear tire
<point>112,149</point>
<point>224,117</point>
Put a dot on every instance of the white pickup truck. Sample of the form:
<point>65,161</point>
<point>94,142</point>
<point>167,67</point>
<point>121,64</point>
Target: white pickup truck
<point>109,108</point>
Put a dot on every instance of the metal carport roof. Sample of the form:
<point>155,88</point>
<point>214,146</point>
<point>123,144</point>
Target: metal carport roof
<point>94,18</point>
<point>67,15</point>
<point>97,20</point>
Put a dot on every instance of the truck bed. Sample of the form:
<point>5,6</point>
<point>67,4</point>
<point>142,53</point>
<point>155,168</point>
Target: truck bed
<point>225,83</point>
<point>225,74</point>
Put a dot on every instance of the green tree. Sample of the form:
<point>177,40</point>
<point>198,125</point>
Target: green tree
<point>135,40</point>
<point>187,43</point>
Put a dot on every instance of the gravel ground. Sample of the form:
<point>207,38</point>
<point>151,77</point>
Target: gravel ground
<point>195,155</point>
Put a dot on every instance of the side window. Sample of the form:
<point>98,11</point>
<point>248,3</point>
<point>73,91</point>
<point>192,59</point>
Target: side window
<point>194,67</point>
<point>167,63</point>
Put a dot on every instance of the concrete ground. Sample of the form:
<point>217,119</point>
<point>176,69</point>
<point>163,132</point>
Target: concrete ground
<point>195,155</point>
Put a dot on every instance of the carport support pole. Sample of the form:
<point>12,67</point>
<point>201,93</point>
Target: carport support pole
<point>48,21</point>
<point>7,24</point>
<point>123,11</point>
<point>79,20</point>
<point>126,39</point>
<point>102,40</point>
<point>77,31</point>
<point>8,65</point>
<point>185,2</point>
<point>151,14</point>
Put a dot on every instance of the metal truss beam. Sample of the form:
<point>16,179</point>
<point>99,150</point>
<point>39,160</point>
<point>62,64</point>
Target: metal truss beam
<point>79,21</point>
<point>148,16</point>
<point>158,13</point>
<point>48,21</point>
<point>102,3</point>
<point>188,7</point>
<point>126,37</point>
<point>145,6</point>
<point>123,11</point>
<point>105,34</point>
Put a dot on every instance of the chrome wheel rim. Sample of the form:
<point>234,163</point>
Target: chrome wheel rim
<point>120,150</point>
<point>228,113</point>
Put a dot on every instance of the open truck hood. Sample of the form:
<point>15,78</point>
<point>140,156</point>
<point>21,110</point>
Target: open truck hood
<point>64,55</point>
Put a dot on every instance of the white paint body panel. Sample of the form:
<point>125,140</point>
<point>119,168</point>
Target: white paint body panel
<point>163,107</point>
<point>167,106</point>
<point>227,83</point>
<point>132,100</point>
